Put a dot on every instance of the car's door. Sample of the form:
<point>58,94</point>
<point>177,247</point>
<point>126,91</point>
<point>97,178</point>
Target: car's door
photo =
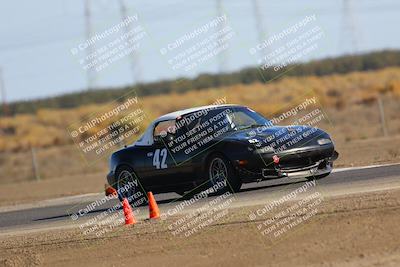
<point>162,168</point>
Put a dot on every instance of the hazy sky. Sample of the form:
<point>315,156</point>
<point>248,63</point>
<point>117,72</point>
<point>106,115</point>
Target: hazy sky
<point>37,36</point>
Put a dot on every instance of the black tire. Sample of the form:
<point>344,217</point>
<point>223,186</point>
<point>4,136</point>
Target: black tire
<point>129,186</point>
<point>219,169</point>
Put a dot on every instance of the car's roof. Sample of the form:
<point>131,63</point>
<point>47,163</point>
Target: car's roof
<point>176,114</point>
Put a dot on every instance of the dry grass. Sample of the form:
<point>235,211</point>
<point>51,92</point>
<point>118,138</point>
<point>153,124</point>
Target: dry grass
<point>49,127</point>
<point>349,102</point>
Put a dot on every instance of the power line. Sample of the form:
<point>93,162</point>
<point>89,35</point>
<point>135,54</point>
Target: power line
<point>41,42</point>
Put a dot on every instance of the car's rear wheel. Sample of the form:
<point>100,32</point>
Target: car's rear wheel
<point>221,175</point>
<point>129,187</point>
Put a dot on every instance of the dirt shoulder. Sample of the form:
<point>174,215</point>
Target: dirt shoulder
<point>354,230</point>
<point>31,191</point>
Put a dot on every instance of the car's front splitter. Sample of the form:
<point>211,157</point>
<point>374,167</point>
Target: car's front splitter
<point>297,168</point>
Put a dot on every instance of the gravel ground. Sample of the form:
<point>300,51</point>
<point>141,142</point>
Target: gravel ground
<point>349,230</point>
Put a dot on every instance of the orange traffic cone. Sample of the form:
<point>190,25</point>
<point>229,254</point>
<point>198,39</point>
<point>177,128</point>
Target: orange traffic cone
<point>109,190</point>
<point>153,208</point>
<point>129,218</point>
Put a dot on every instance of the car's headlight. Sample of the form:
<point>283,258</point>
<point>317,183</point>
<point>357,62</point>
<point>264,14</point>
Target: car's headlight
<point>324,141</point>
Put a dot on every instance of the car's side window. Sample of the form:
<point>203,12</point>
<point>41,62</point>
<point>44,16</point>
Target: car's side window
<point>163,128</point>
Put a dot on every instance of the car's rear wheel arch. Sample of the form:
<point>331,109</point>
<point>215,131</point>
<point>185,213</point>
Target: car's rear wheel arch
<point>122,166</point>
<point>126,167</point>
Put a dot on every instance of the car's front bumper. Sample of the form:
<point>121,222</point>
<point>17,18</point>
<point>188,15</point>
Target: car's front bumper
<point>319,168</point>
<point>304,162</point>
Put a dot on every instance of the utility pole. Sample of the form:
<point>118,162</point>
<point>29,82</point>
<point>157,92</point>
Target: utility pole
<point>222,58</point>
<point>3,94</point>
<point>349,28</point>
<point>135,69</point>
<point>90,74</point>
<point>259,21</point>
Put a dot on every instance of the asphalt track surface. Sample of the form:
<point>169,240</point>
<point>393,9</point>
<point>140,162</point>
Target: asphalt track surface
<point>340,182</point>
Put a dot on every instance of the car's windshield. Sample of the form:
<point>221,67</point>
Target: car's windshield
<point>243,118</point>
<point>230,118</point>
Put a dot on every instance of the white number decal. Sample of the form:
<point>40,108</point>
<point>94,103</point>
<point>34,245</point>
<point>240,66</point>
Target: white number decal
<point>156,158</point>
<point>164,154</point>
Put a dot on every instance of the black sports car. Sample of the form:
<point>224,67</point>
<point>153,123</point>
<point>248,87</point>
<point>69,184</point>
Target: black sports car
<point>222,146</point>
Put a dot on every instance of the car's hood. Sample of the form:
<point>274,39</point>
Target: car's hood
<point>279,136</point>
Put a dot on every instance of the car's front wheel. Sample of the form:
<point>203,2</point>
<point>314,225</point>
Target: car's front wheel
<point>129,187</point>
<point>221,175</point>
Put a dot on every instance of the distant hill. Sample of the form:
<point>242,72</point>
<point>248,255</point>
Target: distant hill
<point>340,65</point>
